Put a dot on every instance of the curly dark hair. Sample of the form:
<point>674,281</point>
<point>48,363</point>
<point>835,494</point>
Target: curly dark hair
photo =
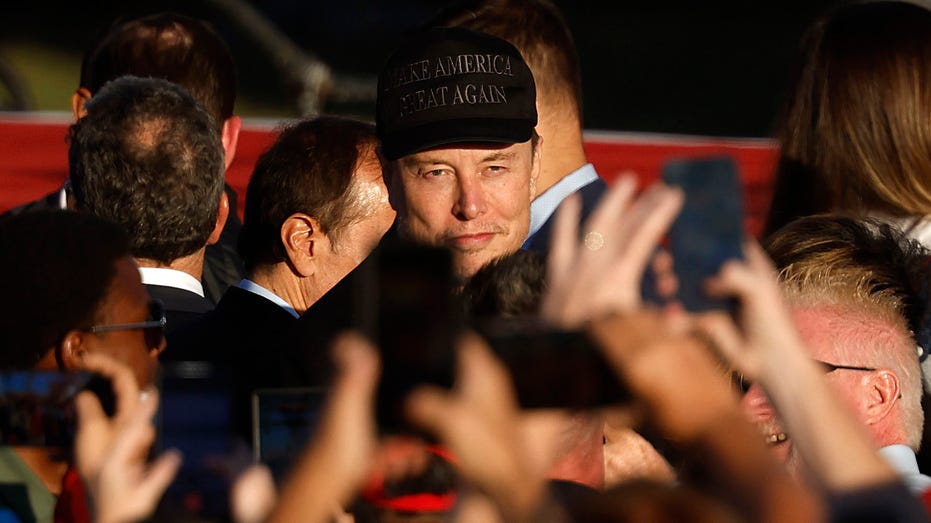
<point>57,267</point>
<point>510,286</point>
<point>148,157</point>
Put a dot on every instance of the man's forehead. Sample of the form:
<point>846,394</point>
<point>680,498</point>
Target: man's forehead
<point>826,327</point>
<point>478,150</point>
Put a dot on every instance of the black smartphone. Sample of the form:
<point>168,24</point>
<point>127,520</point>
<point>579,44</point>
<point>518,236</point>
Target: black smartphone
<point>37,407</point>
<point>283,421</point>
<point>405,302</point>
<point>551,368</point>
<point>195,417</point>
<point>709,229</point>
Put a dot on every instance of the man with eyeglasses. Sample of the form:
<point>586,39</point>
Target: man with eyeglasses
<point>852,288</point>
<point>70,288</point>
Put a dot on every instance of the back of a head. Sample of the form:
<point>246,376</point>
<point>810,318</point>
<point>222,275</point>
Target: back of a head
<point>536,28</point>
<point>857,121</point>
<point>57,267</point>
<point>148,157</point>
<point>509,287</point>
<point>309,169</point>
<point>170,46</point>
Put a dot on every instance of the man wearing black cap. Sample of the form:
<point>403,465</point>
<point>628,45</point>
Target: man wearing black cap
<point>456,114</point>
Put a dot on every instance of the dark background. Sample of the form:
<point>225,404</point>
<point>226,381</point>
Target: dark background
<point>711,68</point>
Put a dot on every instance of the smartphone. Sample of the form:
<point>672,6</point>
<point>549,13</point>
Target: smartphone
<point>708,230</point>
<point>195,417</point>
<point>284,421</point>
<point>550,368</point>
<point>405,302</point>
<point>37,407</point>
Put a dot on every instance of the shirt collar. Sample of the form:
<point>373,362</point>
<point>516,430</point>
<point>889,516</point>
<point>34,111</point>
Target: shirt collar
<point>255,288</point>
<point>544,205</point>
<point>171,278</point>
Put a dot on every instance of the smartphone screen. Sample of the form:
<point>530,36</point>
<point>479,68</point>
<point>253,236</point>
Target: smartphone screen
<point>284,421</point>
<point>37,407</point>
<point>708,230</point>
<point>194,417</point>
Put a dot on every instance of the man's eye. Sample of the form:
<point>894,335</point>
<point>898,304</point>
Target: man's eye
<point>435,172</point>
<point>495,169</point>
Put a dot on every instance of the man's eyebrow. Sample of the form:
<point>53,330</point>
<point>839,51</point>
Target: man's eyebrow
<point>498,156</point>
<point>425,160</point>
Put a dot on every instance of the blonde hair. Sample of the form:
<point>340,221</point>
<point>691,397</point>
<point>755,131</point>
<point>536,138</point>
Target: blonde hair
<point>856,134</point>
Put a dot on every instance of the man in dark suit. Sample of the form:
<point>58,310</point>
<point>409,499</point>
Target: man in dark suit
<point>188,52</point>
<point>316,206</point>
<point>148,157</point>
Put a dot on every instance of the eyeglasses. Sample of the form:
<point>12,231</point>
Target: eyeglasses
<point>153,328</point>
<point>742,385</point>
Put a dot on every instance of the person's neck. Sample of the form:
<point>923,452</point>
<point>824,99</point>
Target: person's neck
<point>192,264</point>
<point>281,280</point>
<point>46,463</point>
<point>563,150</point>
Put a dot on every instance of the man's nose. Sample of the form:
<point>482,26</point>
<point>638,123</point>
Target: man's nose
<point>756,405</point>
<point>470,203</point>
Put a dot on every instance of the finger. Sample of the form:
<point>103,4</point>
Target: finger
<point>725,339</point>
<point>253,495</point>
<point>757,258</point>
<point>358,364</point>
<point>650,218</point>
<point>137,433</point>
<point>430,408</point>
<point>88,409</point>
<point>735,279</point>
<point>606,215</point>
<point>564,242</point>
<point>122,380</point>
<point>160,474</point>
<point>483,377</point>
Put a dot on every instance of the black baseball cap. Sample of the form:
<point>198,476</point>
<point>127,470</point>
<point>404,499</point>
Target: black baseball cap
<point>452,85</point>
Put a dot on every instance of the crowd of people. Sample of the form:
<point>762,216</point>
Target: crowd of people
<point>803,403</point>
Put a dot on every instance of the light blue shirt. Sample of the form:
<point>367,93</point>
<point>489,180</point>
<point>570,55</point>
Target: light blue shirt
<point>255,288</point>
<point>543,206</point>
<point>903,460</point>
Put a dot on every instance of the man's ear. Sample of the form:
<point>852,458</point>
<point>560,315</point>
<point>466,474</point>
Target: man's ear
<point>301,237</point>
<point>222,214</point>
<point>883,393</point>
<point>69,353</point>
<point>230,138</point>
<point>536,167</point>
<point>78,99</point>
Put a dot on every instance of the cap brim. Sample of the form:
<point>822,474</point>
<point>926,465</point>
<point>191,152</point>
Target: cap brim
<point>467,130</point>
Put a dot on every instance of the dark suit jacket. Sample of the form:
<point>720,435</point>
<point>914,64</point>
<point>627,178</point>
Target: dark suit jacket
<point>248,335</point>
<point>591,195</point>
<point>181,306</point>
